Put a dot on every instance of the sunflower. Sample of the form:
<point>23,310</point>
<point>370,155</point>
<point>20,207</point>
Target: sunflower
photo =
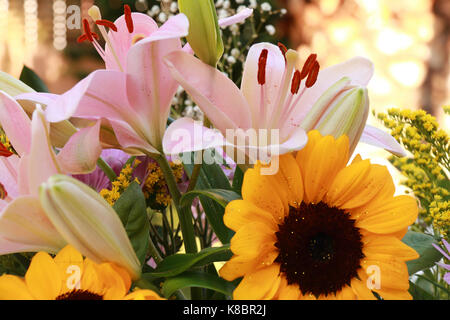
<point>68,276</point>
<point>319,229</point>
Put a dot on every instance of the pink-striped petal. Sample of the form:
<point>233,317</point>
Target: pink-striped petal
<point>187,135</point>
<point>217,96</point>
<point>262,106</point>
<point>41,161</point>
<point>9,175</point>
<point>82,151</point>
<point>237,18</point>
<point>149,85</point>
<point>15,123</point>
<point>122,40</point>
<point>129,140</point>
<point>379,138</point>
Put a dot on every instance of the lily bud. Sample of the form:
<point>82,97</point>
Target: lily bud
<point>204,33</point>
<point>13,86</point>
<point>342,109</point>
<point>88,222</point>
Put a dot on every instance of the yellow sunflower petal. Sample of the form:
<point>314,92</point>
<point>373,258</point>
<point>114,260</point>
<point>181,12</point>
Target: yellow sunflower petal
<point>257,284</point>
<point>43,277</point>
<point>388,245</point>
<point>238,213</point>
<point>13,288</point>
<point>348,183</point>
<point>289,179</point>
<point>388,216</point>
<point>90,280</point>
<point>303,155</point>
<point>126,278</point>
<point>324,162</point>
<point>257,190</point>
<point>376,180</point>
<point>253,239</point>
<point>113,285</point>
<point>392,273</point>
<point>288,292</point>
<point>237,267</point>
<point>360,288</point>
<point>71,263</point>
<point>346,294</point>
<point>143,294</point>
<point>390,294</point>
<point>273,290</point>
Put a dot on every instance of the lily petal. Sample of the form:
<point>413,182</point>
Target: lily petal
<point>187,135</point>
<point>15,123</point>
<point>150,87</point>
<point>237,18</point>
<point>358,69</point>
<point>379,138</point>
<point>122,40</point>
<point>82,151</point>
<point>275,67</point>
<point>24,222</point>
<point>217,96</point>
<point>41,161</point>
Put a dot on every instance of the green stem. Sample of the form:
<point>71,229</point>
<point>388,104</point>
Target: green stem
<point>106,169</point>
<point>184,214</point>
<point>194,177</point>
<point>154,252</point>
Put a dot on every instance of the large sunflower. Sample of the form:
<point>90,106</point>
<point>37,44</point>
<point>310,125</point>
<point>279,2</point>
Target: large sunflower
<point>70,277</point>
<point>319,229</point>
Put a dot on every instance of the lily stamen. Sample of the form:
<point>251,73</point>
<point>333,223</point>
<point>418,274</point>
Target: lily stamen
<point>262,62</point>
<point>106,23</point>
<point>312,75</point>
<point>128,18</point>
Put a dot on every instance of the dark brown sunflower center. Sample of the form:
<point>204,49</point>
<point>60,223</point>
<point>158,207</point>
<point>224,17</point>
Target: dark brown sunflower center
<point>78,294</point>
<point>320,248</point>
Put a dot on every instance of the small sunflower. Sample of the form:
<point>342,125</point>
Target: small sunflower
<point>319,229</point>
<point>70,277</point>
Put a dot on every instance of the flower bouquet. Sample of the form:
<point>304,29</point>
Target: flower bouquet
<point>200,163</point>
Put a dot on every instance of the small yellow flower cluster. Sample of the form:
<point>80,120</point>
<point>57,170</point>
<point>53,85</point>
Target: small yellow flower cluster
<point>119,185</point>
<point>155,187</point>
<point>426,172</point>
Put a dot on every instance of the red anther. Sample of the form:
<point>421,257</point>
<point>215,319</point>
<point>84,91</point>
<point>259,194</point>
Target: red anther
<point>82,38</point>
<point>107,24</point>
<point>87,30</point>
<point>3,193</point>
<point>283,50</point>
<point>295,82</point>
<point>262,67</point>
<point>309,63</point>
<point>312,76</point>
<point>4,152</point>
<point>128,18</point>
<point>93,34</point>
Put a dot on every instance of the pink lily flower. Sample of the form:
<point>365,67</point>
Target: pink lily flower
<point>24,226</point>
<point>135,91</point>
<point>273,96</point>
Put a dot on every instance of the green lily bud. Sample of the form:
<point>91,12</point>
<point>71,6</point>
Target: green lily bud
<point>88,222</point>
<point>13,86</point>
<point>342,109</point>
<point>204,33</point>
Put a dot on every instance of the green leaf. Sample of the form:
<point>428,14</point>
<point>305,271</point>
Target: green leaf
<point>132,211</point>
<point>419,293</point>
<point>238,179</point>
<point>422,244</point>
<point>220,196</point>
<point>178,263</point>
<point>213,212</point>
<point>30,78</point>
<point>197,279</point>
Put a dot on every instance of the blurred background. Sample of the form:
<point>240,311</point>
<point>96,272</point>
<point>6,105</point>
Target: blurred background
<point>408,41</point>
